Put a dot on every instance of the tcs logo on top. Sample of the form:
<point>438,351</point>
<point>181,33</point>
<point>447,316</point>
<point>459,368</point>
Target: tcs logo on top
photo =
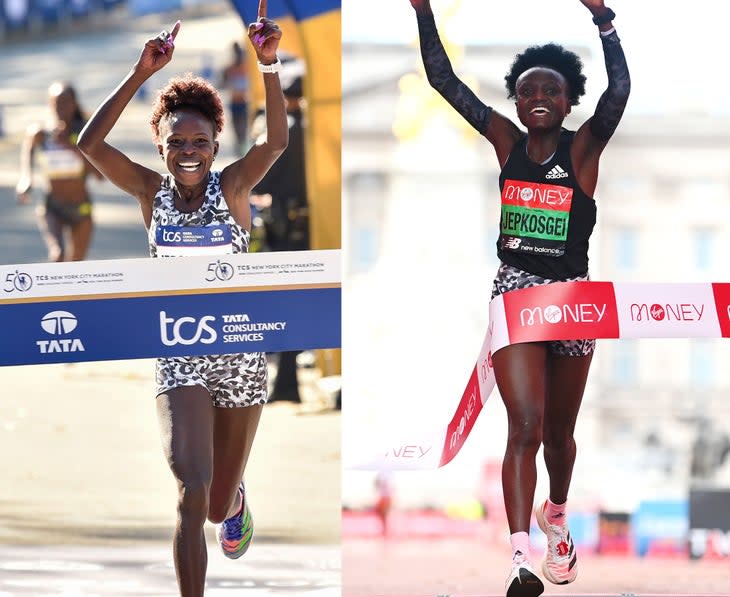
<point>171,236</point>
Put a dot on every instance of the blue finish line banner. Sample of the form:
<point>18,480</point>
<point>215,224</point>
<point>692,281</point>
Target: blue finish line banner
<point>141,308</point>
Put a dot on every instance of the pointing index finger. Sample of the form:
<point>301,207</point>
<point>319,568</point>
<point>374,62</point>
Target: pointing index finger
<point>262,8</point>
<point>175,29</point>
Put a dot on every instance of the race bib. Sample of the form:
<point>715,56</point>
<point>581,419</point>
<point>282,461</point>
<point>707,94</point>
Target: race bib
<point>62,163</point>
<point>179,241</point>
<point>535,217</point>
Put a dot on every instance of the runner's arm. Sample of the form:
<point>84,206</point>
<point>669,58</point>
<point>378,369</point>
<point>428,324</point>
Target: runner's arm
<point>238,178</point>
<point>500,131</point>
<point>110,161</point>
<point>129,176</point>
<point>25,180</point>
<point>593,136</point>
<point>613,101</point>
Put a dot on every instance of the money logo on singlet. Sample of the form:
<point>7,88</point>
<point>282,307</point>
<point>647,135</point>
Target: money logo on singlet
<point>535,217</point>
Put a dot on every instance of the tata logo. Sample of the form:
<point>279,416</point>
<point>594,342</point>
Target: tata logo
<point>186,330</point>
<point>170,236</point>
<point>59,323</point>
<point>685,312</point>
<point>576,313</point>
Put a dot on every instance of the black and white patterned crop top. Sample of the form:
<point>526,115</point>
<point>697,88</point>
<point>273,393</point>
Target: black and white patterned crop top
<point>210,230</point>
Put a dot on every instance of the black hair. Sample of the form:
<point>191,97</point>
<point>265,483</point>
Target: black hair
<point>79,118</point>
<point>554,57</point>
<point>191,93</point>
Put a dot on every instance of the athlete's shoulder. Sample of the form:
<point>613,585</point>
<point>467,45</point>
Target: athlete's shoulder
<point>36,133</point>
<point>567,133</point>
<point>519,144</point>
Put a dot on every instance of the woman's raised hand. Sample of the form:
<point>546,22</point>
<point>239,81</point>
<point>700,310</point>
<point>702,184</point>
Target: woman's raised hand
<point>265,36</point>
<point>158,51</point>
<point>421,6</point>
<point>597,7</point>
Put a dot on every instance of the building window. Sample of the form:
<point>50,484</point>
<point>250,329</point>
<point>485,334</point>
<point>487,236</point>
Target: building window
<point>625,362</point>
<point>626,248</point>
<point>701,363</point>
<point>366,248</point>
<point>364,201</point>
<point>703,249</point>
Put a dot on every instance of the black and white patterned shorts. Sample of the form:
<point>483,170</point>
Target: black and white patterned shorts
<point>233,380</point>
<point>512,278</point>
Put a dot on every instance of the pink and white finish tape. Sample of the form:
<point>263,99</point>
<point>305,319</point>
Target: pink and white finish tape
<point>560,311</point>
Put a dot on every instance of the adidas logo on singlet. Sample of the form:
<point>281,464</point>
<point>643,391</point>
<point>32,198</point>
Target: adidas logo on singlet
<point>557,172</point>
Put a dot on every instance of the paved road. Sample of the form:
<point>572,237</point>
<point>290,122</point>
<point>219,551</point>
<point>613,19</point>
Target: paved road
<point>268,570</point>
<point>412,568</point>
<point>86,499</point>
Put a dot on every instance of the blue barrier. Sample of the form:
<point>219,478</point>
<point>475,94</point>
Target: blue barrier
<point>141,308</point>
<point>660,521</point>
<point>194,324</point>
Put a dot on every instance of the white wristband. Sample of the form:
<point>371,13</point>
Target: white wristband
<point>274,67</point>
<point>607,33</point>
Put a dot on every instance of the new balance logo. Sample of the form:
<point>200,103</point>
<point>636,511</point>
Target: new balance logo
<point>557,172</point>
<point>514,243</point>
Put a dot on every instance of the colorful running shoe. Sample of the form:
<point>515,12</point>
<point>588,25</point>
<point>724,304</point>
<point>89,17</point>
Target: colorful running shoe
<point>523,582</point>
<point>560,565</point>
<point>235,533</point>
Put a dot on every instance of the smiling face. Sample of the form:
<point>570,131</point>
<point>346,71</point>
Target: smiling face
<point>543,98</point>
<point>187,144</point>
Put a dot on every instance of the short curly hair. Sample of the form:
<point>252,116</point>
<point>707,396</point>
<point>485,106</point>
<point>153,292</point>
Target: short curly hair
<point>552,56</point>
<point>188,92</point>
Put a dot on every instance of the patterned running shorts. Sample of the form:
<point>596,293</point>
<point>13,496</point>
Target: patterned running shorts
<point>233,380</point>
<point>512,278</point>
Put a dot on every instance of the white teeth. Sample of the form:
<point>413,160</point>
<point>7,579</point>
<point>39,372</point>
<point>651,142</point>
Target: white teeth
<point>189,164</point>
<point>539,110</point>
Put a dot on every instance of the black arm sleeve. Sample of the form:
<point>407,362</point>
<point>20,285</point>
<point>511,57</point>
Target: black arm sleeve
<point>441,76</point>
<point>611,105</point>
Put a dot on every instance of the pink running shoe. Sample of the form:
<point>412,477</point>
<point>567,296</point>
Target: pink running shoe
<point>522,581</point>
<point>235,533</point>
<point>560,565</point>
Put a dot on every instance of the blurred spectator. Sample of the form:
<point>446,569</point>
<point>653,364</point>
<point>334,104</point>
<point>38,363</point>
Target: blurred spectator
<point>65,215</point>
<point>710,449</point>
<point>384,499</point>
<point>234,79</point>
<point>286,216</point>
<point>207,67</point>
<point>16,12</point>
